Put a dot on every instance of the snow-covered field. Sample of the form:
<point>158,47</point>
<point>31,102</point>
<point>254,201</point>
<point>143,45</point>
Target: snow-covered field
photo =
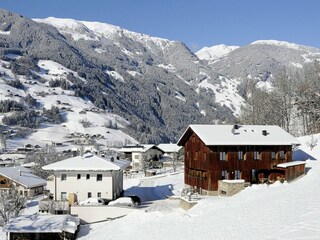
<point>278,211</point>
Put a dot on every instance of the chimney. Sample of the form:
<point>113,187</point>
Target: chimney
<point>264,132</point>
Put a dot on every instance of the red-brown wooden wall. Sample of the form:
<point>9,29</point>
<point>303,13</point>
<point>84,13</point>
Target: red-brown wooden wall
<point>203,165</point>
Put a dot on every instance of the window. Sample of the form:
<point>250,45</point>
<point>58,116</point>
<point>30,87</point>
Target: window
<point>237,174</point>
<point>224,174</point>
<point>88,176</point>
<point>63,196</point>
<point>3,181</point>
<point>254,175</point>
<point>136,157</point>
<point>223,156</point>
<point>281,154</point>
<point>99,177</point>
<point>89,194</point>
<point>99,194</point>
<point>78,176</point>
<point>256,155</point>
<point>240,155</point>
<point>273,155</point>
<point>63,177</point>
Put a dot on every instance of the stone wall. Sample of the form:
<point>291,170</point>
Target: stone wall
<point>230,187</point>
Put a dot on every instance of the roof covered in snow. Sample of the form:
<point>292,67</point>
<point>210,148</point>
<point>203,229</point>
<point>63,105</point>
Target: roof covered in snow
<point>215,135</point>
<point>22,176</point>
<point>43,224</point>
<point>291,164</point>
<point>169,147</point>
<point>88,162</point>
<point>138,148</point>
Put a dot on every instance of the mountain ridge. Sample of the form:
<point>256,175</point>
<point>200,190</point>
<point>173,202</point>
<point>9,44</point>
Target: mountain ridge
<point>158,85</point>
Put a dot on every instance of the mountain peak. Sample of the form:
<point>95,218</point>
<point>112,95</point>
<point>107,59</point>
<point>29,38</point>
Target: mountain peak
<point>87,30</point>
<point>278,43</point>
<point>215,52</point>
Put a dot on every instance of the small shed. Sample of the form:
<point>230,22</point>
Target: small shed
<point>289,170</point>
<point>49,227</point>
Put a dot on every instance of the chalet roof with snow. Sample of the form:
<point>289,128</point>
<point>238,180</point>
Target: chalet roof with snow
<point>219,135</point>
<point>43,224</point>
<point>88,162</point>
<point>138,148</point>
<point>22,176</point>
<point>169,147</point>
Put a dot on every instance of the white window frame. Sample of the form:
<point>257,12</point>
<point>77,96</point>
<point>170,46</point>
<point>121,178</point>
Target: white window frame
<point>63,196</point>
<point>237,174</point>
<point>256,155</point>
<point>224,175</point>
<point>223,156</point>
<point>240,155</point>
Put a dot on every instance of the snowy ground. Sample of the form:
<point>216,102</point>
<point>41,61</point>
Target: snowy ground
<point>278,211</point>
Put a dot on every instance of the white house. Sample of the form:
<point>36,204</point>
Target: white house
<point>136,153</point>
<point>27,183</point>
<point>172,150</point>
<point>86,176</point>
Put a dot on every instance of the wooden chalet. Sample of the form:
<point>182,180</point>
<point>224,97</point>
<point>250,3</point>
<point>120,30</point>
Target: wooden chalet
<point>254,153</point>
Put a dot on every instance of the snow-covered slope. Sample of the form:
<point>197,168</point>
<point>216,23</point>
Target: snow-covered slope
<point>105,126</point>
<point>95,30</point>
<point>215,52</point>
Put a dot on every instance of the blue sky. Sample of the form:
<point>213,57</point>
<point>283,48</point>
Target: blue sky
<point>196,23</point>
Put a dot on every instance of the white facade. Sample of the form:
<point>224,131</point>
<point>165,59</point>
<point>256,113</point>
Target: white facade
<point>86,176</point>
<point>85,184</point>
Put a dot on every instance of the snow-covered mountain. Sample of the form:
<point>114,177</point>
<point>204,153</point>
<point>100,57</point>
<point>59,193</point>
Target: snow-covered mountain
<point>159,86</point>
<point>213,53</point>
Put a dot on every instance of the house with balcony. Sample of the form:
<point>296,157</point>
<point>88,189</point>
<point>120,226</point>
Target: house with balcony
<point>253,153</point>
<point>78,178</point>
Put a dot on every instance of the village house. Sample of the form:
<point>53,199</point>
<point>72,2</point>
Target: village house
<point>254,153</point>
<point>171,150</point>
<point>27,183</point>
<point>78,178</point>
<point>137,153</point>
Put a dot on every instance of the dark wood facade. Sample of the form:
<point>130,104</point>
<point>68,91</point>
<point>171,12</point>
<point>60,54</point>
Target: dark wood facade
<point>205,165</point>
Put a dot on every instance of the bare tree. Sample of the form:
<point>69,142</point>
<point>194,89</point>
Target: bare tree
<point>313,142</point>
<point>145,163</point>
<point>11,202</point>
<point>3,141</point>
